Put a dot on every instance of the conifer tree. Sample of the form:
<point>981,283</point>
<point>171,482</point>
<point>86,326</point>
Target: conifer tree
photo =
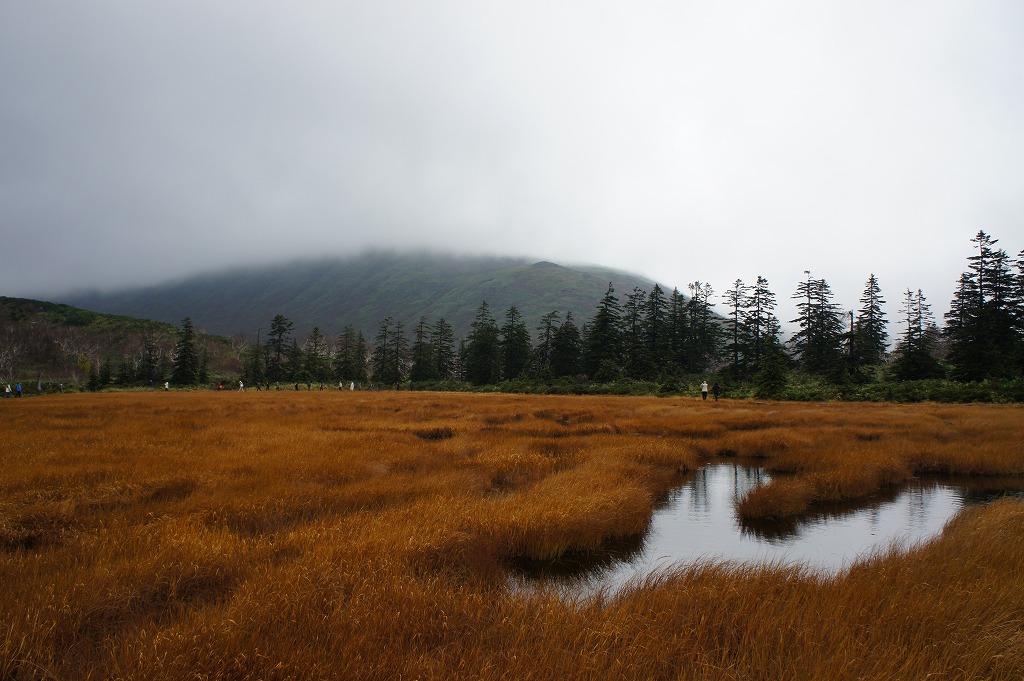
<point>546,332</point>
<point>566,349</point>
<point>817,343</point>
<point>344,349</point>
<point>736,298</point>
<point>296,365</point>
<point>385,364</point>
<point>277,347</point>
<point>705,335</point>
<point>483,349</point>
<point>983,321</point>
<point>515,345</point>
<point>761,326</point>
<point>602,357</point>
<point>423,368</point>
<point>634,346</point>
<point>186,356</point>
<point>870,335</point>
<point>317,360</point>
<point>914,353</point>
<point>678,333</point>
<point>656,333</point>
<point>442,340</point>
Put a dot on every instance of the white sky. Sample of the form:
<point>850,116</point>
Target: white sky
<point>682,140</point>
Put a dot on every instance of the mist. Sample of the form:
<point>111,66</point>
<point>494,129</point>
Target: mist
<point>146,142</point>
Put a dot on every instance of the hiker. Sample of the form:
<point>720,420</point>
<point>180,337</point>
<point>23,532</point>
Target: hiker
<point>167,386</point>
<point>704,391</point>
<point>715,389</point>
<point>241,387</point>
<point>7,390</point>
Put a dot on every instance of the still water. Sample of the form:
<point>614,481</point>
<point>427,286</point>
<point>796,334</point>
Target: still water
<point>698,522</point>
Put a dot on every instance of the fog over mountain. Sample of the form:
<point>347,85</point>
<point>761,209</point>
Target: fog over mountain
<point>362,291</point>
<point>144,142</point>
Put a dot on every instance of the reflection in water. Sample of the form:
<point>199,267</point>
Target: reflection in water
<point>698,521</point>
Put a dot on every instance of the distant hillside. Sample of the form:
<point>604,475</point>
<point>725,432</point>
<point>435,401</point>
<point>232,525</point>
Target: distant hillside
<point>51,342</point>
<point>361,291</point>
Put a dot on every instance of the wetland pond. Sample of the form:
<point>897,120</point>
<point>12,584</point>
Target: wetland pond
<point>698,522</point>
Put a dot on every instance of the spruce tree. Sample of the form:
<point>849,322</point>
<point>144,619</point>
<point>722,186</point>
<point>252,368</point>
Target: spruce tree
<point>277,347</point>
<point>186,356</point>
<point>738,345</point>
<point>423,366</point>
<point>483,349</point>
<point>678,328</point>
<point>914,353</point>
<point>566,349</point>
<point>656,333</point>
<point>296,366</point>
<point>818,342</point>
<point>317,362</point>
<point>761,327</point>
<point>602,357</point>
<point>546,332</point>
<point>870,335</point>
<point>983,321</point>
<point>515,345</point>
<point>634,345</point>
<point>442,341</point>
<point>705,334</point>
<point>386,362</point>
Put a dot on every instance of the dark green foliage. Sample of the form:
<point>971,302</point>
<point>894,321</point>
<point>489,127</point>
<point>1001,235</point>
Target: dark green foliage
<point>350,357</point>
<point>483,349</point>
<point>704,334</point>
<point>657,336</point>
<point>442,341</point>
<point>390,354</point>
<point>296,366</point>
<point>277,348</point>
<point>566,349</point>
<point>542,356</point>
<point>423,368</point>
<point>915,358</point>
<point>317,360</point>
<point>818,342</point>
<point>770,380</point>
<point>983,325</point>
<point>602,356</point>
<point>515,345</point>
<point>870,335</point>
<point>186,356</point>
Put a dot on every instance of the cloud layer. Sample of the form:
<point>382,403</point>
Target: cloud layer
<point>683,140</point>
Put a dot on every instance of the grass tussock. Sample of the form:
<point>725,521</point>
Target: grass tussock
<point>367,535</point>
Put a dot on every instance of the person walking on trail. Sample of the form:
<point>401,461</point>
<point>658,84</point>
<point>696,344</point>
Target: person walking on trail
<point>715,389</point>
<point>7,390</point>
<point>167,385</point>
<point>704,391</point>
<point>241,387</point>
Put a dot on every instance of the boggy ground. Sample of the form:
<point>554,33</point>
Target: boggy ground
<point>338,535</point>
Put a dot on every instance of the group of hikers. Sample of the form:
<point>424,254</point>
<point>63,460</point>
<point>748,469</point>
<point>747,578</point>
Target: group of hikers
<point>715,390</point>
<point>7,390</point>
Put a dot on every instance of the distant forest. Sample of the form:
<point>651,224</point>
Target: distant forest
<point>642,341</point>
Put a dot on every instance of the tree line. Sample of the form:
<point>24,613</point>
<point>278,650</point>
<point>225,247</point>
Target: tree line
<point>658,337</point>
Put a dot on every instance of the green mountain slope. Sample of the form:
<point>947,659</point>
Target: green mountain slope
<point>363,290</point>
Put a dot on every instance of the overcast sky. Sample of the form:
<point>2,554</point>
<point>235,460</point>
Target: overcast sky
<point>142,141</point>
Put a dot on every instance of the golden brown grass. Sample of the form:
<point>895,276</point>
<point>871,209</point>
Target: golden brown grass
<point>365,535</point>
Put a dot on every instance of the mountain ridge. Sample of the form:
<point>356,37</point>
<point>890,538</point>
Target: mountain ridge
<point>363,290</point>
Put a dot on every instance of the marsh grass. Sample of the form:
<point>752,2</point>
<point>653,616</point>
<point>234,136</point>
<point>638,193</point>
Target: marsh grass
<point>368,535</point>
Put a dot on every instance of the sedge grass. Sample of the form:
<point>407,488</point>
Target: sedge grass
<point>365,535</point>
